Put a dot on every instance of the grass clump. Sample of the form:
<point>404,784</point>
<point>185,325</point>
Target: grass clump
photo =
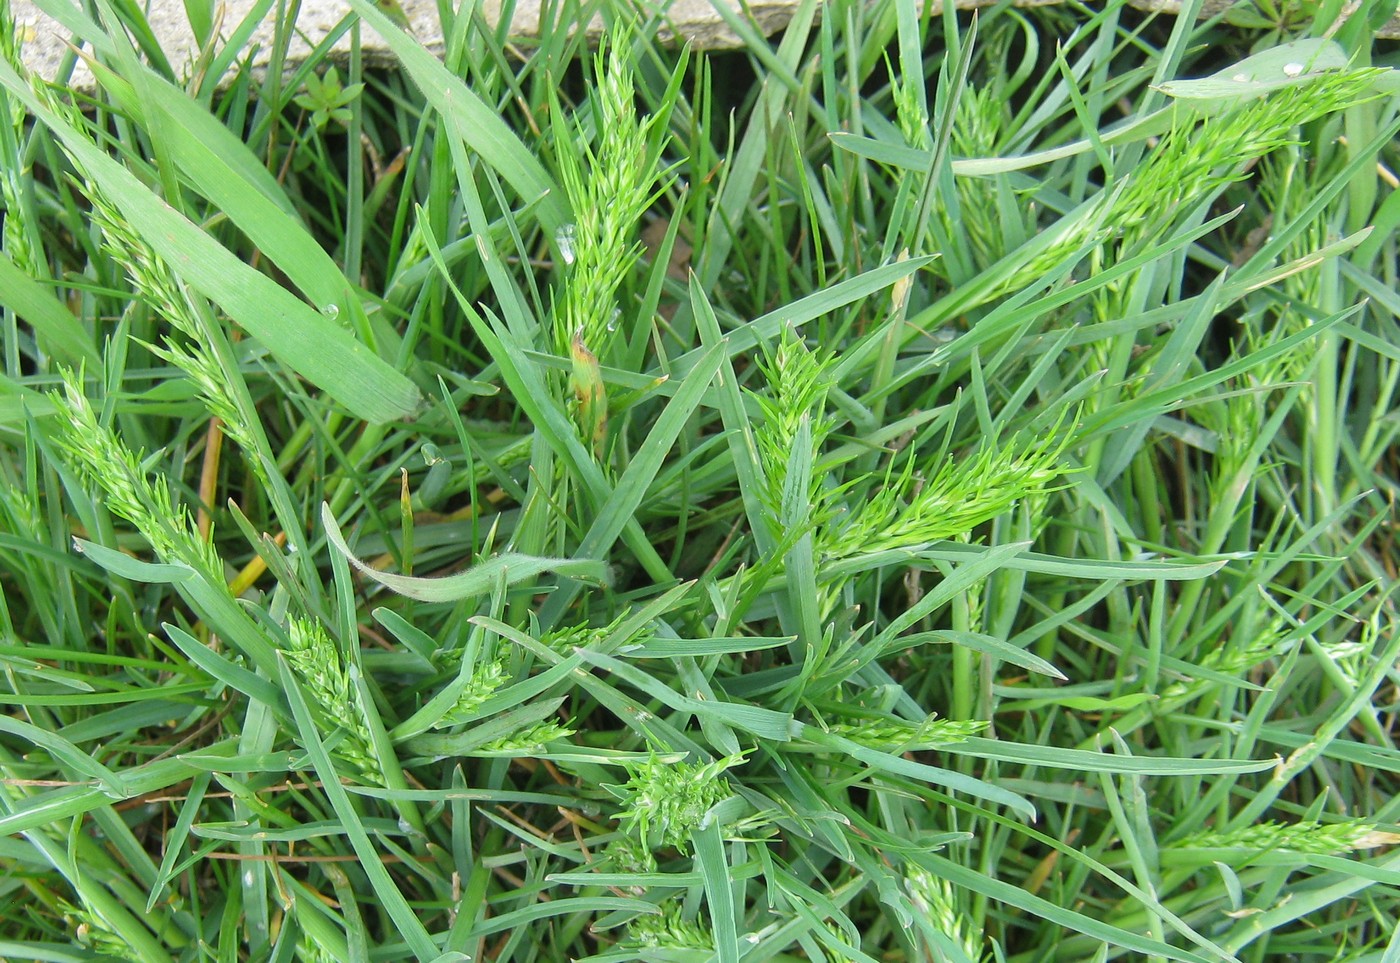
<point>918,487</point>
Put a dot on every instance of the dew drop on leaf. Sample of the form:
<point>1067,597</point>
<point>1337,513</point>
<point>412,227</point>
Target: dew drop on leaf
<point>564,241</point>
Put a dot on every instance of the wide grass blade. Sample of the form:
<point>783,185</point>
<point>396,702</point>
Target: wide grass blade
<point>472,122</point>
<point>475,581</point>
<point>307,340</point>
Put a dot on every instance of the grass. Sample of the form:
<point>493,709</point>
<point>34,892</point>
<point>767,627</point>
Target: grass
<point>918,488</point>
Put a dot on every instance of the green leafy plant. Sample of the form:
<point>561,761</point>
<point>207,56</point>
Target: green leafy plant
<point>327,100</point>
<point>914,487</point>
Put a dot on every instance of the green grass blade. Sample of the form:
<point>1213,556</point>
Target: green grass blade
<point>470,121</point>
<point>715,872</point>
<point>395,906</point>
<point>305,339</point>
<point>475,581</point>
<point>59,331</point>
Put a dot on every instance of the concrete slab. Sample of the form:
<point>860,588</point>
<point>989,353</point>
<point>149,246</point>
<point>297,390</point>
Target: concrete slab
<point>47,42</point>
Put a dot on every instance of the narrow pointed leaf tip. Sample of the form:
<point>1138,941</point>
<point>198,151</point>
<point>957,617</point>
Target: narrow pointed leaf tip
<point>477,580</point>
<point>1266,71</point>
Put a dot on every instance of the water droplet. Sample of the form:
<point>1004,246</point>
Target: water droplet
<point>612,322</point>
<point>1292,70</point>
<point>1240,78</point>
<point>332,311</point>
<point>564,241</point>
